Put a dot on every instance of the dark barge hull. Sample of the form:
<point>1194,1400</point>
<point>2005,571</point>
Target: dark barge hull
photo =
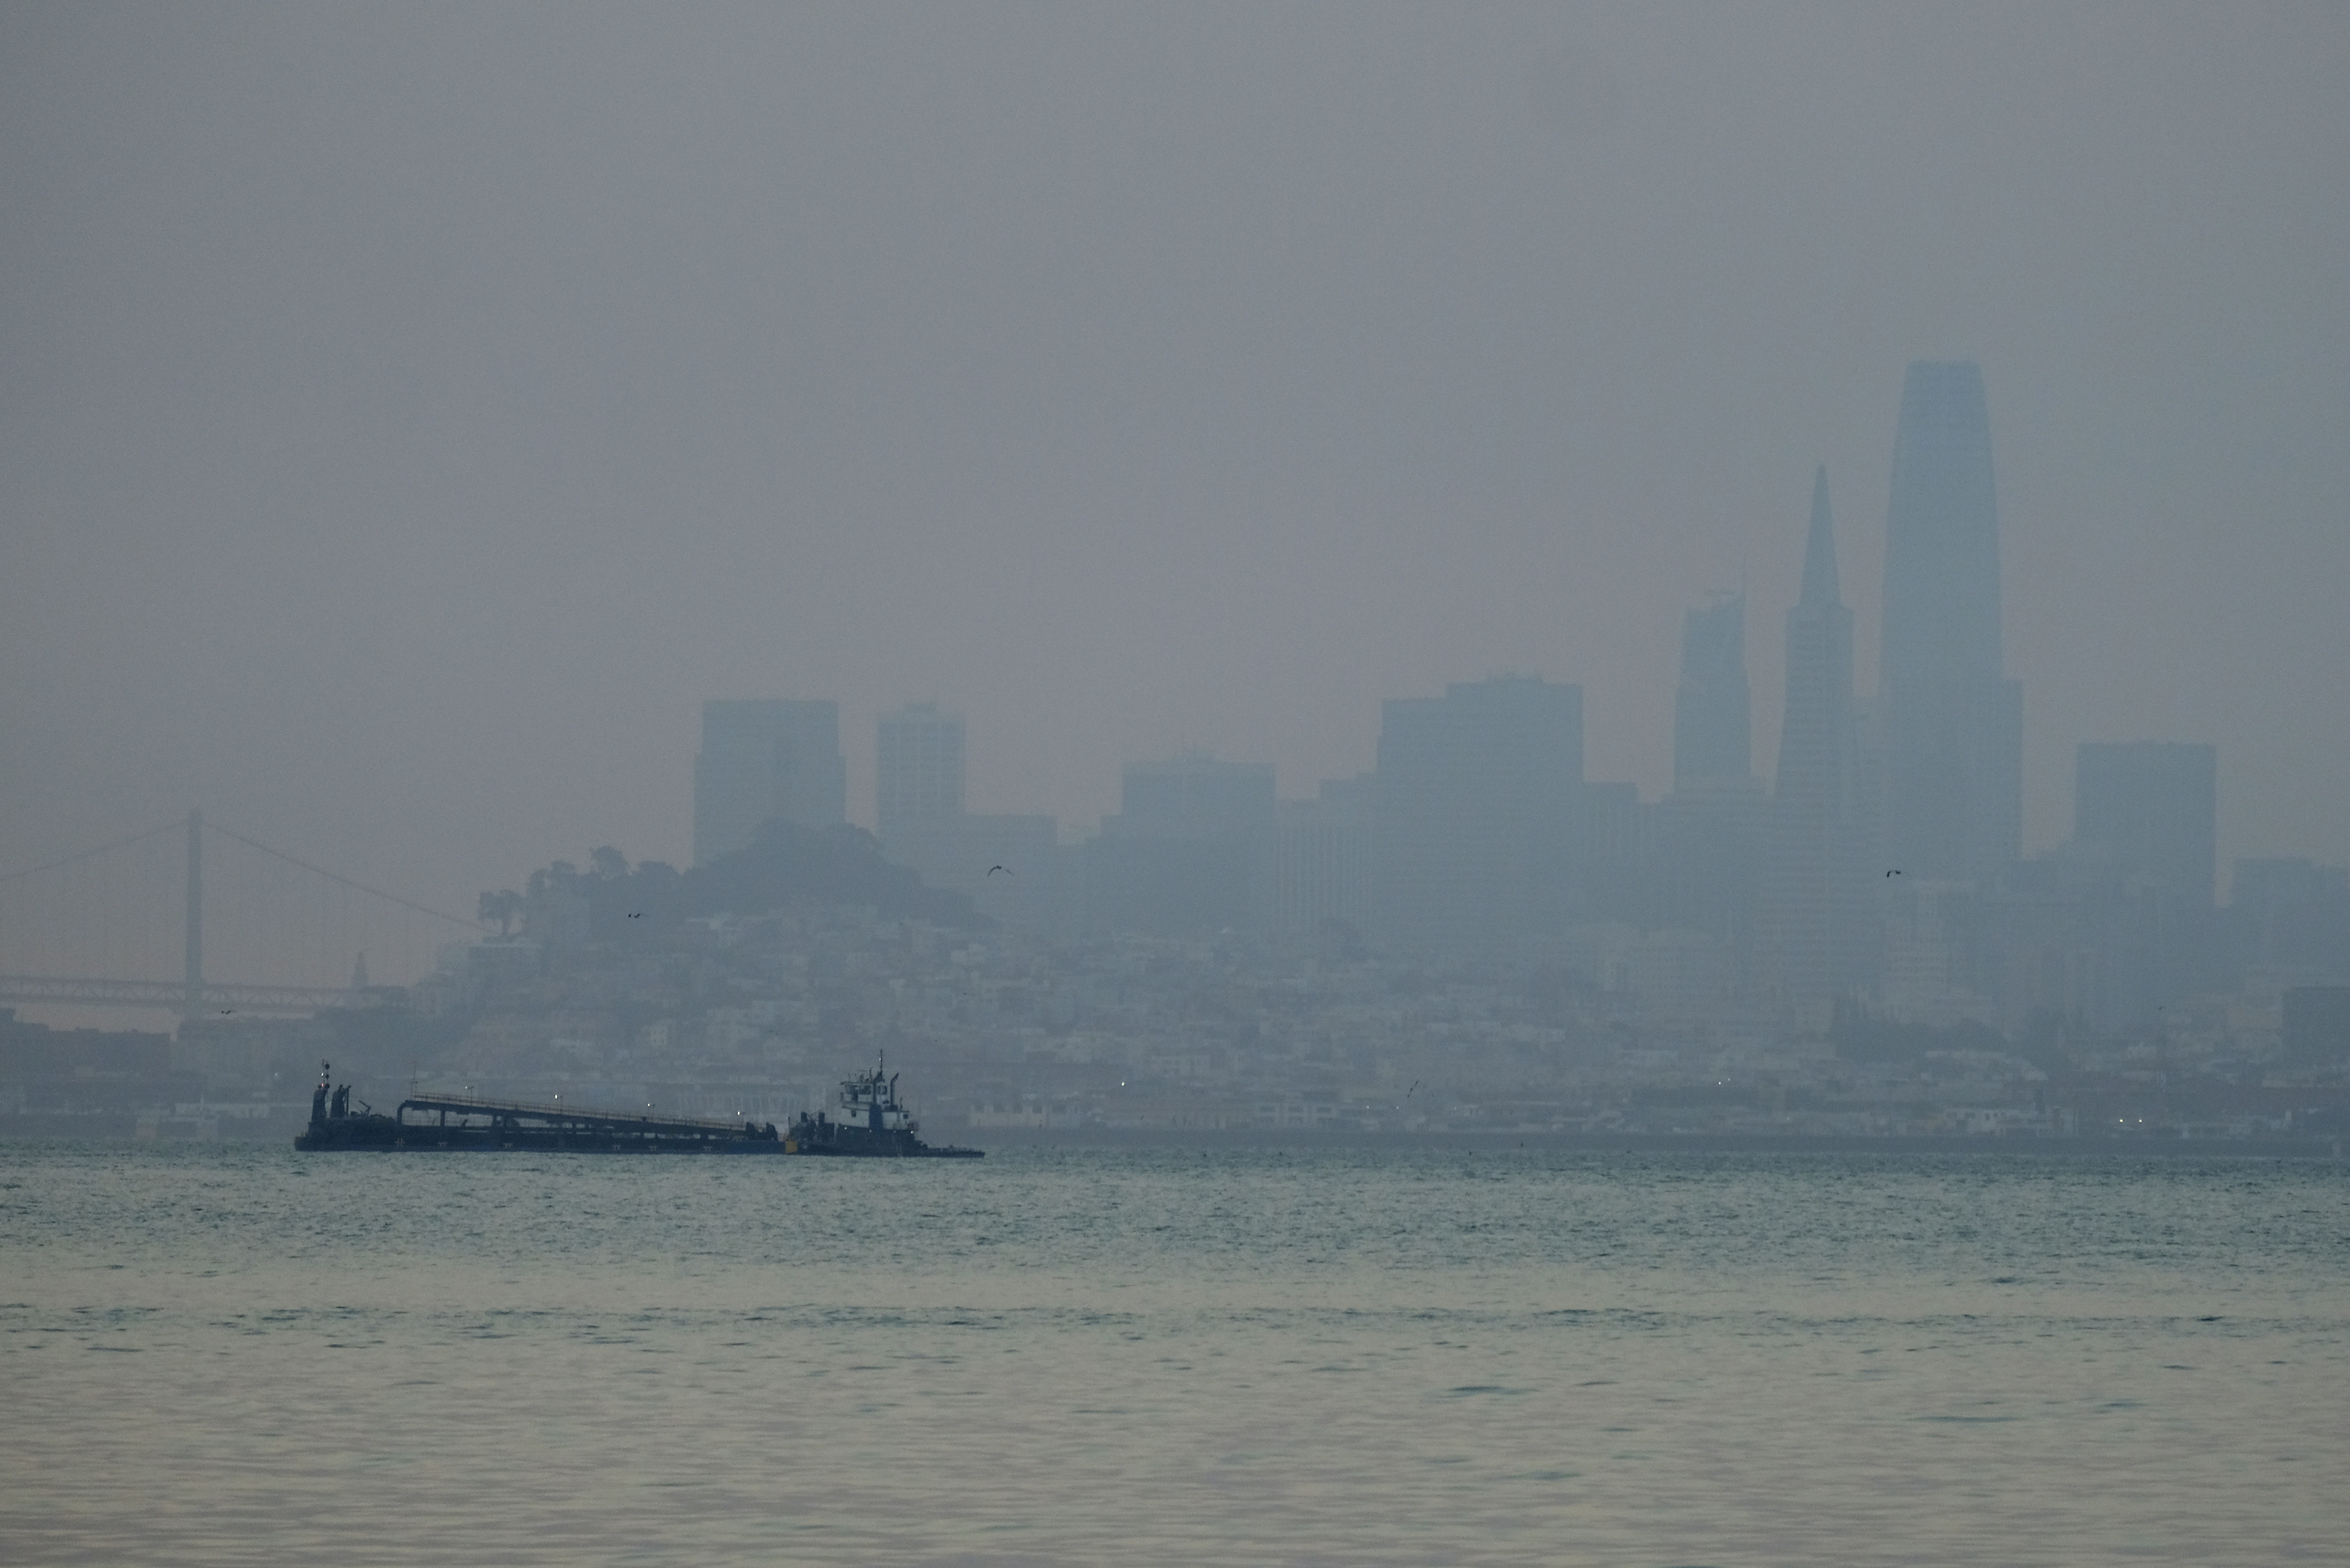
<point>425,1125</point>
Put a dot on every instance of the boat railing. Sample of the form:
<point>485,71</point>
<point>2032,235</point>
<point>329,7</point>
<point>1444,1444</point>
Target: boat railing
<point>574,1117</point>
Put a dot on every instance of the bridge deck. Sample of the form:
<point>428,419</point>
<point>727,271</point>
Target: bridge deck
<point>171,995</point>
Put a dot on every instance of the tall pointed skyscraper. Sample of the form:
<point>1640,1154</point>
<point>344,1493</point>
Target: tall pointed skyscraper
<point>1953,722</point>
<point>1812,930</point>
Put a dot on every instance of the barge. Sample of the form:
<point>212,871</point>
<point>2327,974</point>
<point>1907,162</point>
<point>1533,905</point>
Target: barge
<point>873,1125</point>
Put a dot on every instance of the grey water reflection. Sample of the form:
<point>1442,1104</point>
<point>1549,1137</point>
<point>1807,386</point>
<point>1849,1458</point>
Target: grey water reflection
<point>1179,1358</point>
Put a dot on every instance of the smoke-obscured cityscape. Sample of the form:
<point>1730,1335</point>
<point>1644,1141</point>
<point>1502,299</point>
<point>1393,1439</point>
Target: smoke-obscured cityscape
<point>1239,782</point>
<point>1472,936</point>
<point>420,422</point>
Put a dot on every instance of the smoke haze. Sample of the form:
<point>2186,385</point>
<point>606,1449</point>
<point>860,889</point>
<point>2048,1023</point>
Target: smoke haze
<point>415,412</point>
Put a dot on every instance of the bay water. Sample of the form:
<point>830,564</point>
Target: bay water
<point>242,1354</point>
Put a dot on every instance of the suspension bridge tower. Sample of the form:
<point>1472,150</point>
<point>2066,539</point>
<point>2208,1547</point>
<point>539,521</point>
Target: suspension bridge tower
<point>192,999</point>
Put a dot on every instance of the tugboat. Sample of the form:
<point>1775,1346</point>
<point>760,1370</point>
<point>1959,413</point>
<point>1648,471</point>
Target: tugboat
<point>872,1125</point>
<point>333,1123</point>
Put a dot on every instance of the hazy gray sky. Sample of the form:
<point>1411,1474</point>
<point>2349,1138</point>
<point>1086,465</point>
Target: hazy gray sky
<point>413,412</point>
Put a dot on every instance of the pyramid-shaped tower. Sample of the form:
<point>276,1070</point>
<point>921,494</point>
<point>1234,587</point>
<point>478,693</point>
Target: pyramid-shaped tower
<point>1813,936</point>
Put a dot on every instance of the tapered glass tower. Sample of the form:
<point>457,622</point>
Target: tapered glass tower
<point>1953,722</point>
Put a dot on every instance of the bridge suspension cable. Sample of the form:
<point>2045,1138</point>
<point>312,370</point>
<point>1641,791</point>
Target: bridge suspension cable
<point>90,854</point>
<point>97,934</point>
<point>296,860</point>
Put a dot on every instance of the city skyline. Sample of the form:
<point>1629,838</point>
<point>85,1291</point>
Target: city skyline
<point>1123,387</point>
<point>1951,393</point>
<point>1556,721</point>
<point>1781,861</point>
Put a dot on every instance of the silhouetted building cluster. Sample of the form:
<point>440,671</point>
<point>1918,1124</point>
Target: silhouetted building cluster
<point>1880,870</point>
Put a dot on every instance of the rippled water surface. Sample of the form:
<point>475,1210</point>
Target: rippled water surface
<point>234,1356</point>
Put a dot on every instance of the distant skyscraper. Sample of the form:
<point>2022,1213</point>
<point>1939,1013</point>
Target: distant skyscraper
<point>2292,917</point>
<point>1813,925</point>
<point>1698,860</point>
<point>1713,726</point>
<point>762,760</point>
<point>2139,929</point>
<point>1195,795</point>
<point>1477,803</point>
<point>918,772</point>
<point>1321,858</point>
<point>2152,808</point>
<point>1190,851</point>
<point>1953,722</point>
